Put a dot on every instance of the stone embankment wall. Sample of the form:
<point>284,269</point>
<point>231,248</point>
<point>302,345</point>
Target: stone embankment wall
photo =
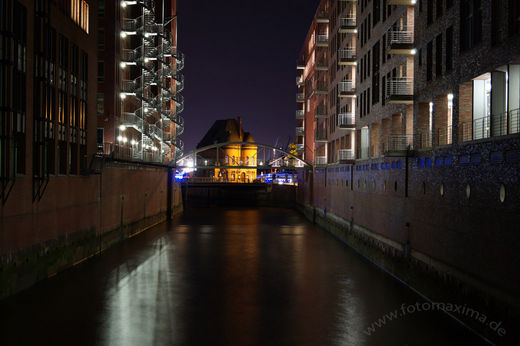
<point>79,217</point>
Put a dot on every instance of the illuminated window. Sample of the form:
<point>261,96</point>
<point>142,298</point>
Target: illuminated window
<point>79,12</point>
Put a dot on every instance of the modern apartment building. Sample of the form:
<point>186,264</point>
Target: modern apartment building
<point>404,75</point>
<point>139,104</point>
<point>420,163</point>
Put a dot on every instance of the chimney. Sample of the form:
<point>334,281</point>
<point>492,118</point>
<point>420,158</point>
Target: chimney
<point>240,127</point>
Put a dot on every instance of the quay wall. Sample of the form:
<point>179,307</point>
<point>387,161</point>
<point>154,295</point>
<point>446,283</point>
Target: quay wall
<point>79,217</point>
<point>445,222</point>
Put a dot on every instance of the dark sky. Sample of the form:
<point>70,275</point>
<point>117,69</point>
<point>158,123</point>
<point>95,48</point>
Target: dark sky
<point>241,61</point>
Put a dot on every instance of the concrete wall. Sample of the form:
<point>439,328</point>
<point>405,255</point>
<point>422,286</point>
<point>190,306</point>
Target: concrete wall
<point>78,216</point>
<point>458,245</point>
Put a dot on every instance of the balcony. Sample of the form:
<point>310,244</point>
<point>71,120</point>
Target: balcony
<point>300,131</point>
<point>346,88</point>
<point>322,64</point>
<point>346,156</point>
<point>300,147</point>
<point>495,125</point>
<point>321,112</point>
<point>320,136</point>
<point>322,17</point>
<point>320,160</point>
<point>347,25</point>
<point>400,41</point>
<point>299,81</point>
<point>322,40</point>
<point>402,2</point>
<point>346,120</point>
<point>399,90</point>
<point>347,56</point>
<point>300,97</point>
<point>443,136</point>
<point>322,88</point>
<point>300,114</point>
<point>397,145</point>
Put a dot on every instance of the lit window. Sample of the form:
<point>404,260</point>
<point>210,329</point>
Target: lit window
<point>79,12</point>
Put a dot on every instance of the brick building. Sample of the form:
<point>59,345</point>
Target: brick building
<point>139,104</point>
<point>422,151</point>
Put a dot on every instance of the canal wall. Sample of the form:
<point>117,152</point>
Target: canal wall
<point>79,217</point>
<point>444,222</point>
<point>260,195</point>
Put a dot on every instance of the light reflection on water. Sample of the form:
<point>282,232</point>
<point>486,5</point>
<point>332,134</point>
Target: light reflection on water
<point>223,277</point>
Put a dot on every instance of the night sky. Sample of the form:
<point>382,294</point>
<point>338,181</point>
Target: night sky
<point>241,61</point>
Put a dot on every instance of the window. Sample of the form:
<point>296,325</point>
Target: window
<point>439,8</point>
<point>429,61</point>
<point>449,48</point>
<point>430,12</point>
<point>438,55</point>
<point>470,24</point>
<point>377,11</point>
<point>514,15</point>
<point>79,12</point>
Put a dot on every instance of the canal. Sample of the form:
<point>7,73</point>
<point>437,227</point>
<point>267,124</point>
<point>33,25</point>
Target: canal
<point>226,276</point>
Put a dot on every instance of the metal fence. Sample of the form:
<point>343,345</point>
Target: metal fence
<point>347,53</point>
<point>346,154</point>
<point>348,21</point>
<point>345,86</point>
<point>401,86</point>
<point>402,36</point>
<point>346,119</point>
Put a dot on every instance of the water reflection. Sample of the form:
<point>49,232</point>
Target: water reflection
<point>223,277</point>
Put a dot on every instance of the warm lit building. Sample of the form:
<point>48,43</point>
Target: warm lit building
<point>239,155</point>
<point>139,81</point>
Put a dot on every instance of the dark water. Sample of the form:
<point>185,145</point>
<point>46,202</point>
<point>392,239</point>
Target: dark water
<point>224,277</point>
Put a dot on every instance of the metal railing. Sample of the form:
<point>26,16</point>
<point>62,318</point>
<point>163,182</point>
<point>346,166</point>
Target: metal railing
<point>322,86</point>
<point>348,21</point>
<point>320,135</point>
<point>346,119</point>
<point>400,36</point>
<point>321,111</point>
<point>399,86</point>
<point>300,147</point>
<point>300,131</point>
<point>346,154</point>
<point>494,125</point>
<point>322,39</point>
<point>300,97</point>
<point>443,135</point>
<point>345,86</point>
<point>299,80</point>
<point>397,143</point>
<point>424,139</point>
<point>347,54</point>
<point>320,160</point>
<point>300,113</point>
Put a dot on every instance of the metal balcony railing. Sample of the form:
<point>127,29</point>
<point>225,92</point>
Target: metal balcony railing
<point>424,139</point>
<point>399,36</point>
<point>397,143</point>
<point>322,39</point>
<point>300,113</point>
<point>321,86</point>
<point>347,54</point>
<point>320,135</point>
<point>494,125</point>
<point>346,119</point>
<point>443,135</point>
<point>346,86</point>
<point>321,111</point>
<point>300,131</point>
<point>320,160</point>
<point>300,147</point>
<point>300,97</point>
<point>399,86</point>
<point>299,80</point>
<point>346,154</point>
<point>347,22</point>
<point>322,16</point>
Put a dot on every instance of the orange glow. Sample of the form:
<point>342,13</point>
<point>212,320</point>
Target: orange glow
<point>79,12</point>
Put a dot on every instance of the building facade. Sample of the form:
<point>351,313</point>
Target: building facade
<point>139,104</point>
<point>234,157</point>
<point>421,162</point>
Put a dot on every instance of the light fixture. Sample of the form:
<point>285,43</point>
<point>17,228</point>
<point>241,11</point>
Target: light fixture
<point>122,64</point>
<point>122,127</point>
<point>450,97</point>
<point>414,51</point>
<point>123,4</point>
<point>123,95</point>
<point>119,138</point>
<point>125,140</point>
<point>123,34</point>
